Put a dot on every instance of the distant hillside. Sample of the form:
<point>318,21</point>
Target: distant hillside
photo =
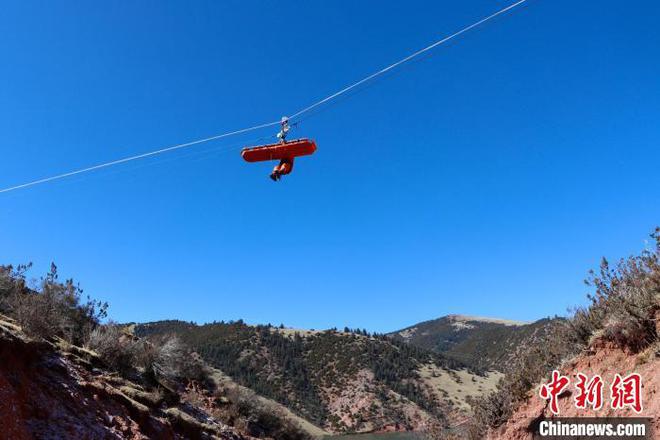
<point>480,343</point>
<point>340,381</point>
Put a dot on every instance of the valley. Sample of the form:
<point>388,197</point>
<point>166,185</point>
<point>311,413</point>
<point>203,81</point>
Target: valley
<point>347,381</point>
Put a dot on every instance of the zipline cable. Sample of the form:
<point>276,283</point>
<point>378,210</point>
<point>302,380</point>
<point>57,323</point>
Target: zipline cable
<point>405,60</point>
<point>268,124</point>
<point>193,155</point>
<point>139,156</point>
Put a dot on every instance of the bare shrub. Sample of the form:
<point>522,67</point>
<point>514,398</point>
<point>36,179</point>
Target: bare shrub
<point>625,302</point>
<point>114,346</point>
<point>146,353</point>
<point>623,310</point>
<point>165,358</point>
<point>51,309</point>
<point>171,359</point>
<point>12,282</point>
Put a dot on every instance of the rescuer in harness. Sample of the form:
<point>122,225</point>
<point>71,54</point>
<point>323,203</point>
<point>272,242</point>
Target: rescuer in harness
<point>286,165</point>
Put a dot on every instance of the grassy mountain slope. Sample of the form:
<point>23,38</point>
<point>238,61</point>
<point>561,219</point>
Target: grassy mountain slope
<point>228,387</point>
<point>341,381</point>
<point>480,343</point>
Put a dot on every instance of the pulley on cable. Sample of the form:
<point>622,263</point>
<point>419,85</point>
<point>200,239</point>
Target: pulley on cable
<point>283,151</point>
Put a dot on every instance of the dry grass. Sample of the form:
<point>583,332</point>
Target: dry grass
<point>465,318</point>
<point>460,386</point>
<point>223,381</point>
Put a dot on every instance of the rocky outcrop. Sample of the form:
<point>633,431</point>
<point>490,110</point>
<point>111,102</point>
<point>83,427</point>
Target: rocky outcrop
<point>47,392</point>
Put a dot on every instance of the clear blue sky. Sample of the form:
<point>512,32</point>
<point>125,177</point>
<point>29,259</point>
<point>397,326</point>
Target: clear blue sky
<point>486,179</point>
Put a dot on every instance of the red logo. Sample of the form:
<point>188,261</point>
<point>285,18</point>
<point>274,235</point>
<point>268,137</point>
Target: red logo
<point>590,392</point>
<point>553,389</point>
<point>624,391</point>
<point>627,392</point>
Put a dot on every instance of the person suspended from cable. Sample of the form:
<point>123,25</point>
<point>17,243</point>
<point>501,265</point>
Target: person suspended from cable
<point>283,151</point>
<point>286,165</point>
<point>284,129</point>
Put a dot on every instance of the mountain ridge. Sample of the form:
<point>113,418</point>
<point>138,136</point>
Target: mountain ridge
<point>479,342</point>
<point>342,381</point>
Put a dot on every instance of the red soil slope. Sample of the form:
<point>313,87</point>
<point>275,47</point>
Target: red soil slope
<point>606,360</point>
